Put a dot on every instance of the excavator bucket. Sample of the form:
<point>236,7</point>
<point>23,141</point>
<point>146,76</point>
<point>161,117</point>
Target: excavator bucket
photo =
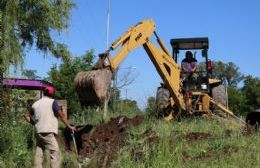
<point>93,86</point>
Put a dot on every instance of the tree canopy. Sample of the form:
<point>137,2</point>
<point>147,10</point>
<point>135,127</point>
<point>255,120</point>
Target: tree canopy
<point>251,91</point>
<point>30,74</point>
<point>151,106</point>
<point>25,23</point>
<point>229,72</point>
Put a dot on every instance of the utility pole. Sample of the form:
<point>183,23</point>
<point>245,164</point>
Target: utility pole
<point>114,86</point>
<point>108,24</point>
<point>107,41</point>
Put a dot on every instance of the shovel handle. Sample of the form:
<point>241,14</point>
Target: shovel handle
<point>74,142</point>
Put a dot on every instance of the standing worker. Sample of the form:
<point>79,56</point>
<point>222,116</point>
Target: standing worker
<point>43,115</point>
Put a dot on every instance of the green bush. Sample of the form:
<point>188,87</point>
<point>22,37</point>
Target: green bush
<point>17,142</point>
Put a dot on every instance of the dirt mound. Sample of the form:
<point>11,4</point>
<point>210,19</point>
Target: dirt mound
<point>81,130</point>
<point>197,136</point>
<point>104,142</point>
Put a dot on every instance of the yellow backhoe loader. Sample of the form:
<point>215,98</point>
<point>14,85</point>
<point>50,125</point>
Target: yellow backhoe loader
<point>92,86</point>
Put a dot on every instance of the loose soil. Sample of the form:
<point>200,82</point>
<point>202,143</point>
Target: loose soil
<point>149,139</point>
<point>196,136</point>
<point>102,143</point>
<point>209,155</point>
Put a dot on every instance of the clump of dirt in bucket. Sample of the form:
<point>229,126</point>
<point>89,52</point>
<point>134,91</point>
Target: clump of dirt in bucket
<point>92,86</point>
<point>105,140</point>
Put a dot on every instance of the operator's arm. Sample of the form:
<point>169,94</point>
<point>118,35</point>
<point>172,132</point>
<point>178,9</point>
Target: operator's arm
<point>58,112</point>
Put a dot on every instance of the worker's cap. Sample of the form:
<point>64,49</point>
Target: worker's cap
<point>49,90</point>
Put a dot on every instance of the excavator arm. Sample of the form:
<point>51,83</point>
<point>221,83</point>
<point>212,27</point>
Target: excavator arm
<point>140,35</point>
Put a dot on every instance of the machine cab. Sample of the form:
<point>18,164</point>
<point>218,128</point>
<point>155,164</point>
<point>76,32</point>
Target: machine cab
<point>195,44</point>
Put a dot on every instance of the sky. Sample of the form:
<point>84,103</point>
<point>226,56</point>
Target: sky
<point>232,26</point>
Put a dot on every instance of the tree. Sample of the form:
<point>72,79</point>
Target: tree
<point>236,100</point>
<point>63,76</point>
<point>228,72</point>
<point>251,91</point>
<point>128,106</point>
<point>30,74</point>
<point>27,23</point>
<point>123,77</point>
<point>151,107</point>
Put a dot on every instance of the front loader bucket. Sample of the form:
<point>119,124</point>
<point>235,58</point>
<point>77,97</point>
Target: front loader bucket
<point>93,86</point>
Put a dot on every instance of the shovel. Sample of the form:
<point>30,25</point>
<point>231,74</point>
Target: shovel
<point>76,149</point>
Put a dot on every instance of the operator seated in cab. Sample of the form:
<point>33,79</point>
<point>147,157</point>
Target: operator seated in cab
<point>188,71</point>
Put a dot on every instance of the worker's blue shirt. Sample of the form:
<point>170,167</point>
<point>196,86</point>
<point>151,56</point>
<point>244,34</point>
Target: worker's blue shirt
<point>55,106</point>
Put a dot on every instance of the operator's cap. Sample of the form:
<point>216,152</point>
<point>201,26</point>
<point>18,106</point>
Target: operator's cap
<point>50,90</point>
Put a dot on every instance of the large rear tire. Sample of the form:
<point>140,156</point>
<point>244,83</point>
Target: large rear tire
<point>162,98</point>
<point>220,96</point>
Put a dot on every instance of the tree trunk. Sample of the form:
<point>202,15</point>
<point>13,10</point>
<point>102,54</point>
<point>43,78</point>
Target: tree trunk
<point>1,91</point>
<point>2,9</point>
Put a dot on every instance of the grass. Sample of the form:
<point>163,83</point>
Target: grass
<point>226,146</point>
<point>165,145</point>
